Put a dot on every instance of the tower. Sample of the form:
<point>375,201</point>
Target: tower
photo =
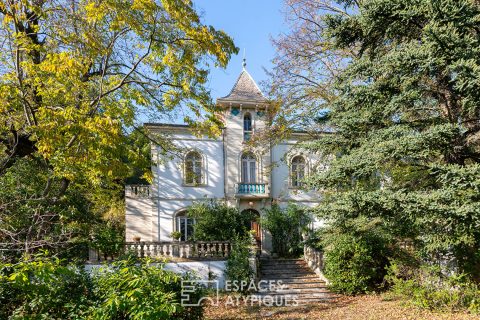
<point>247,166</point>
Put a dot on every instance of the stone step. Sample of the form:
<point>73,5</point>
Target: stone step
<point>297,280</point>
<point>279,276</point>
<point>300,295</point>
<point>280,301</point>
<point>299,284</point>
<point>289,267</point>
<point>309,285</point>
<point>285,271</point>
<point>288,270</point>
<point>292,300</point>
<point>282,263</point>
<point>296,291</point>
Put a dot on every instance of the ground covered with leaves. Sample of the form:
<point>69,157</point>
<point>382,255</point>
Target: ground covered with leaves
<point>360,307</point>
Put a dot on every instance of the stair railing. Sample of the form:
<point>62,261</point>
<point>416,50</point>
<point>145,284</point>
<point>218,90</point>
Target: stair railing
<point>314,260</point>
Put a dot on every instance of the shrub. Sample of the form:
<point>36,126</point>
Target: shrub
<point>238,264</point>
<point>44,289</point>
<point>356,256</point>
<point>427,287</point>
<point>286,227</point>
<point>109,238</point>
<point>216,221</point>
<point>130,290</point>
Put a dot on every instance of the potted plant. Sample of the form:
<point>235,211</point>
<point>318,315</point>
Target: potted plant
<point>176,235</point>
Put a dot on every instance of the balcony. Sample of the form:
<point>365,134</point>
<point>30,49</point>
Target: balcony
<point>252,190</point>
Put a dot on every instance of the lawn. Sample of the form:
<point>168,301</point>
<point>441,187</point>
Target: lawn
<point>361,307</point>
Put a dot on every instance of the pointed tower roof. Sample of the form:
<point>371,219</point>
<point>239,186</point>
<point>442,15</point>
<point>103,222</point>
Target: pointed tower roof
<point>245,89</point>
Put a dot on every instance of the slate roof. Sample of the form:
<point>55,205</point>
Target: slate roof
<point>245,89</point>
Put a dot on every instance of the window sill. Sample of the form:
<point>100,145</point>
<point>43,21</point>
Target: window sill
<point>202,185</point>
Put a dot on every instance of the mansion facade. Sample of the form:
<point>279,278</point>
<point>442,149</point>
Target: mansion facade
<point>226,168</point>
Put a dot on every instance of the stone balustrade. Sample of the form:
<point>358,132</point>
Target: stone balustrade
<point>200,250</point>
<point>314,259</point>
<point>188,250</point>
<point>137,191</point>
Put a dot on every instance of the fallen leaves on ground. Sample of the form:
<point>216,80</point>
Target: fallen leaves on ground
<point>370,307</point>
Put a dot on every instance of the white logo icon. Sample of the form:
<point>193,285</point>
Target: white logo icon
<point>189,298</point>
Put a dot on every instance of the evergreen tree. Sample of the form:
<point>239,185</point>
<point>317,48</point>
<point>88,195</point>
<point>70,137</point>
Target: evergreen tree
<point>405,118</point>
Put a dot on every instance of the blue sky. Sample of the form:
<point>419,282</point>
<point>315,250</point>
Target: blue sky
<point>250,23</point>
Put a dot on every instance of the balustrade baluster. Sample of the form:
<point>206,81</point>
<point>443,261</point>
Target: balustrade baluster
<point>142,249</point>
<point>183,250</point>
<point>208,253</point>
<point>195,250</point>
<point>202,250</point>
<point>176,249</point>
<point>215,249</point>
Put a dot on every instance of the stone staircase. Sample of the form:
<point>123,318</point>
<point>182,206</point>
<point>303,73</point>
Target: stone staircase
<point>290,282</point>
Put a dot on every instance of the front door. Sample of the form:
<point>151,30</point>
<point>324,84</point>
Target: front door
<point>257,233</point>
<point>255,226</point>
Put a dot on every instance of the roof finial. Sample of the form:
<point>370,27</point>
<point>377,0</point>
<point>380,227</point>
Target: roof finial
<point>244,64</point>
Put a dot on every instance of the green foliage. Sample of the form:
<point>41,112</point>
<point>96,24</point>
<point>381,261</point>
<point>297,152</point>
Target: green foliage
<point>30,219</point>
<point>33,217</point>
<point>403,119</point>
<point>71,93</point>
<point>109,238</point>
<point>69,99</point>
<point>427,287</point>
<point>238,265</point>
<point>216,221</point>
<point>129,290</point>
<point>286,227</point>
<point>46,288</point>
<point>176,235</point>
<point>356,255</point>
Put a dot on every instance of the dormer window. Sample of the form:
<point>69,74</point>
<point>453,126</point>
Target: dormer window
<point>247,126</point>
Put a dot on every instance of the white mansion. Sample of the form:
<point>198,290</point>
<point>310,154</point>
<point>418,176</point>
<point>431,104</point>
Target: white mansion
<point>228,168</point>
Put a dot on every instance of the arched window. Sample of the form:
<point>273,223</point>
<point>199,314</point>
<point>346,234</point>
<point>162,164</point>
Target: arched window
<point>193,168</point>
<point>247,126</point>
<point>298,171</point>
<point>249,168</point>
<point>184,225</point>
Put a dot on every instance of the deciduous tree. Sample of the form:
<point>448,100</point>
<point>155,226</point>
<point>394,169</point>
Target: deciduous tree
<point>76,74</point>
